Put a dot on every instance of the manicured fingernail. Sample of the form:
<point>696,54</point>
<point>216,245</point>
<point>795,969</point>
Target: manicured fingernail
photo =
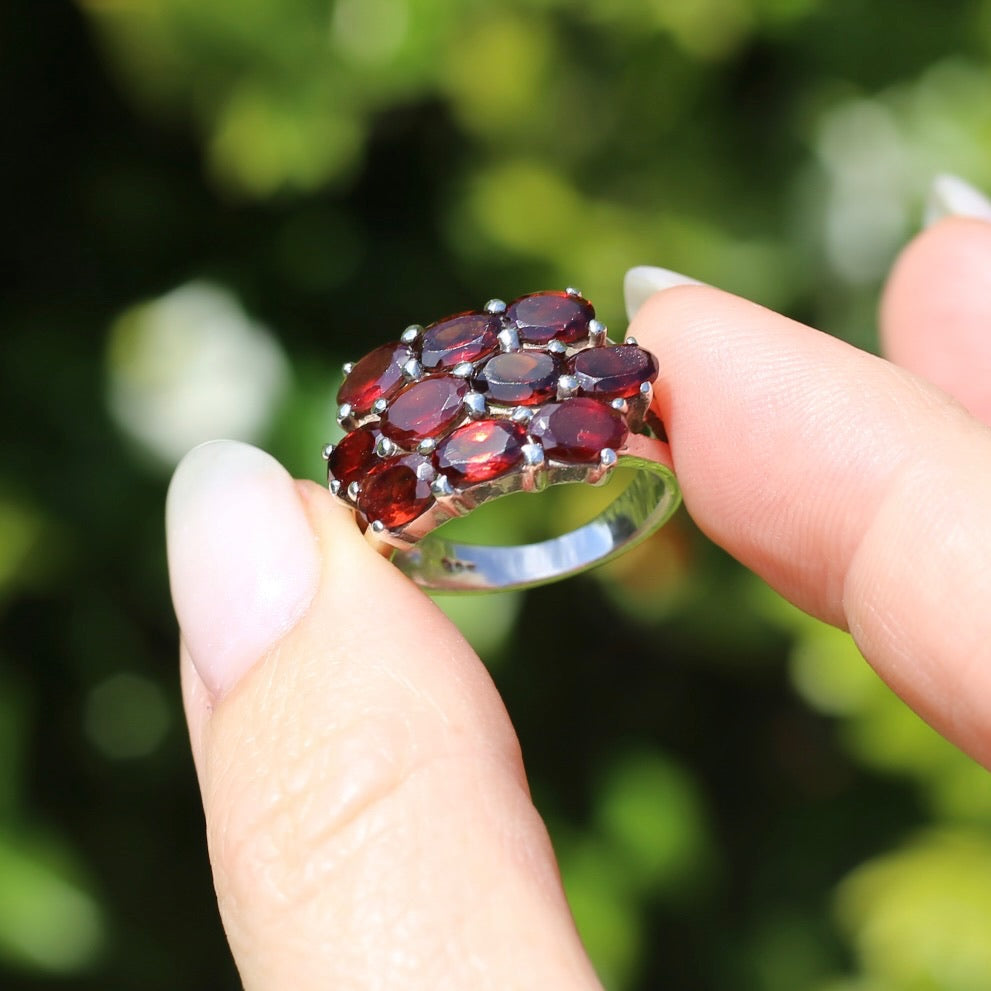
<point>644,280</point>
<point>243,561</point>
<point>951,196</point>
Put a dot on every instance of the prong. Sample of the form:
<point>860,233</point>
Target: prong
<point>535,477</point>
<point>347,367</point>
<point>462,369</point>
<point>631,340</point>
<point>378,527</point>
<point>335,487</point>
<point>607,461</point>
<point>427,446</point>
<point>597,333</point>
<point>379,407</point>
<point>354,490</point>
<point>620,405</point>
<point>646,389</point>
<point>495,306</point>
<point>475,404</point>
<point>572,291</point>
<point>441,487</point>
<point>412,370</point>
<point>411,333</point>
<point>426,472</point>
<point>509,339</point>
<point>522,414</point>
<point>328,450</point>
<point>567,386</point>
<point>557,347</point>
<point>344,413</point>
<point>384,447</point>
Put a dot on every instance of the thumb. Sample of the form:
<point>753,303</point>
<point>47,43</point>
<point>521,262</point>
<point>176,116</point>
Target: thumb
<point>367,814</point>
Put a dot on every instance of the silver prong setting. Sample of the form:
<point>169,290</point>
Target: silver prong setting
<point>557,347</point>
<point>377,527</point>
<point>354,490</point>
<point>379,407</point>
<point>620,405</point>
<point>572,291</point>
<point>427,446</point>
<point>412,370</point>
<point>522,414</point>
<point>534,467</point>
<point>474,403</point>
<point>384,447</point>
<point>495,306</point>
<point>426,472</point>
<point>567,386</point>
<point>347,368</point>
<point>646,390</point>
<point>335,487</point>
<point>597,332</point>
<point>328,450</point>
<point>441,487</point>
<point>411,334</point>
<point>462,369</point>
<point>631,340</point>
<point>509,339</point>
<point>345,415</point>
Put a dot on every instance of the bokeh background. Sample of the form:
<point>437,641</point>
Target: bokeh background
<point>210,204</point>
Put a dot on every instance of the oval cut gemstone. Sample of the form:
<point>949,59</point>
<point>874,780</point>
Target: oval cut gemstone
<point>518,378</point>
<point>576,430</point>
<point>353,456</point>
<point>424,409</point>
<point>614,372</point>
<point>463,337</point>
<point>542,317</point>
<point>397,490</point>
<point>480,451</point>
<point>379,375</point>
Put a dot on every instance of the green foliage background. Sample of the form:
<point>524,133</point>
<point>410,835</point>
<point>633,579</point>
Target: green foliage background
<point>209,204</point>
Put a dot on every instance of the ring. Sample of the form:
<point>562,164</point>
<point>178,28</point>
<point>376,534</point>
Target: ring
<point>513,397</point>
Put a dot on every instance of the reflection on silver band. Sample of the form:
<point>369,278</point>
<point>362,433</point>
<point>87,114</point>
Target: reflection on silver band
<point>648,502</point>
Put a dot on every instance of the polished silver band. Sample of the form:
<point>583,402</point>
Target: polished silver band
<point>443,565</point>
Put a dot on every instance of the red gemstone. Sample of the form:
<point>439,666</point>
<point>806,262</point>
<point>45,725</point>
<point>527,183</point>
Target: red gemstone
<point>379,375</point>
<point>428,408</point>
<point>463,337</point>
<point>548,316</point>
<point>519,378</point>
<point>576,430</point>
<point>480,451</point>
<point>397,490</point>
<point>353,456</point>
<point>615,372</point>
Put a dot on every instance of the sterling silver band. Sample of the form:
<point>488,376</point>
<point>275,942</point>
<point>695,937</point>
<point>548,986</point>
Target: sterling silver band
<point>646,504</point>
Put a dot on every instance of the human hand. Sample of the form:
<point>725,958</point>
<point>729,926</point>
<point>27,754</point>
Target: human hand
<point>367,813</point>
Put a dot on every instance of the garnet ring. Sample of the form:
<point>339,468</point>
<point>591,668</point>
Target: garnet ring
<point>509,398</point>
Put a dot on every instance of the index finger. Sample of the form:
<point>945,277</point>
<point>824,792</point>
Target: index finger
<point>855,489</point>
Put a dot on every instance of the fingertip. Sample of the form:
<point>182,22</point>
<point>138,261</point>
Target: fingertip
<point>935,314</point>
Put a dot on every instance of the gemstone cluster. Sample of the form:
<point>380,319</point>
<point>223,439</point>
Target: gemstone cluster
<point>525,390</point>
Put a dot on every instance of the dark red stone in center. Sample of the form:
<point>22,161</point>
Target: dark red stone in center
<point>548,316</point>
<point>480,451</point>
<point>576,430</point>
<point>378,375</point>
<point>519,378</point>
<point>615,372</point>
<point>353,456</point>
<point>463,337</point>
<point>395,491</point>
<point>424,409</point>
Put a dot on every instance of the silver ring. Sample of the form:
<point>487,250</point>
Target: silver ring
<point>510,398</point>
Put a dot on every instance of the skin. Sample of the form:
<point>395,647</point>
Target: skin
<point>368,816</point>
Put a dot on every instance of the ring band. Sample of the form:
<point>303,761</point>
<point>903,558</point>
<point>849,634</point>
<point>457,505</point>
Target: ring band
<point>513,397</point>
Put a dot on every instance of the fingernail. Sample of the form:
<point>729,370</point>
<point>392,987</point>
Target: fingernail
<point>243,561</point>
<point>951,196</point>
<point>644,280</point>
